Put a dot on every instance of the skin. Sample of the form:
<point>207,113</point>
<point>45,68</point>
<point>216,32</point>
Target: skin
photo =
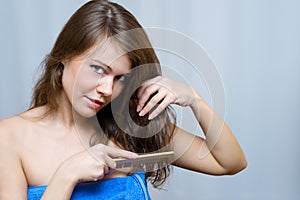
<point>49,152</point>
<point>219,153</point>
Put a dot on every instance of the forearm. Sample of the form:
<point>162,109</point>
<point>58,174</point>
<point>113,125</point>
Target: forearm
<point>219,139</point>
<point>60,187</point>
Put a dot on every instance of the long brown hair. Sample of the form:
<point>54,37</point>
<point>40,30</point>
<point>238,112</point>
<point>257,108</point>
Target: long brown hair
<point>88,26</point>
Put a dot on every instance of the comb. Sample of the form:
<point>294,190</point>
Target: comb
<point>146,162</point>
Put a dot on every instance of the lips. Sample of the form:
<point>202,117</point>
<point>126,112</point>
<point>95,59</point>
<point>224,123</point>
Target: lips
<point>95,103</point>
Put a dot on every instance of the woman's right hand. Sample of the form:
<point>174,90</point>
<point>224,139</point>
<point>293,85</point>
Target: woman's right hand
<point>89,165</point>
<point>94,163</point>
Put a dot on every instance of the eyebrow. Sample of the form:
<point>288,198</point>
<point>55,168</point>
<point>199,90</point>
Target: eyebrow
<point>101,63</point>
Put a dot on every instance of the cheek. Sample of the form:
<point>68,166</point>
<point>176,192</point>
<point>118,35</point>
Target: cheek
<point>67,82</point>
<point>72,81</point>
<point>117,90</point>
<point>84,82</point>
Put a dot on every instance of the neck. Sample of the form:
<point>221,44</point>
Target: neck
<point>64,115</point>
<point>71,120</point>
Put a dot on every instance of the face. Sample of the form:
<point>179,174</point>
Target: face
<point>93,80</point>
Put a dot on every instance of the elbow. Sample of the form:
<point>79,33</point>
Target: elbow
<point>238,167</point>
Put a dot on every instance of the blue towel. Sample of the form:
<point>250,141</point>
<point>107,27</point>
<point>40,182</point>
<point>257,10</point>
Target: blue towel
<point>133,187</point>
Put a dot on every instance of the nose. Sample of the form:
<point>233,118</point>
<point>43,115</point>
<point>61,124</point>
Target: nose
<point>105,86</point>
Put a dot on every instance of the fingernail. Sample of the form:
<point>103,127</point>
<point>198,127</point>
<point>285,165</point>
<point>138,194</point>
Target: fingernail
<point>141,113</point>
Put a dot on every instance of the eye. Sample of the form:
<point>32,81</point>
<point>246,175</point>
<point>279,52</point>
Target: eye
<point>97,69</point>
<point>123,78</point>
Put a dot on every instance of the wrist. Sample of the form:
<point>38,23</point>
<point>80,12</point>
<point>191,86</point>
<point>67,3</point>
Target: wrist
<point>60,186</point>
<point>65,177</point>
<point>197,100</point>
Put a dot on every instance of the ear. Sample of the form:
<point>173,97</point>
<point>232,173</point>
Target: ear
<point>63,62</point>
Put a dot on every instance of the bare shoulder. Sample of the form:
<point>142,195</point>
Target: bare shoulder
<point>12,134</point>
<point>11,128</point>
<point>8,129</point>
<point>9,141</point>
<point>18,126</point>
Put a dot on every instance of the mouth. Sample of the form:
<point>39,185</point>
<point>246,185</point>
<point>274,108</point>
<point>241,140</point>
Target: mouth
<point>95,103</point>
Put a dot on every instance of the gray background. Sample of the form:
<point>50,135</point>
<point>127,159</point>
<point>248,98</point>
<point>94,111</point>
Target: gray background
<point>255,45</point>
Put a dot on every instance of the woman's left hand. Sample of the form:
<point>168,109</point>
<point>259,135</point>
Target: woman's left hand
<point>162,92</point>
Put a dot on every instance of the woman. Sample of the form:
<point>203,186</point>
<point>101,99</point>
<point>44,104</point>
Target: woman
<point>101,96</point>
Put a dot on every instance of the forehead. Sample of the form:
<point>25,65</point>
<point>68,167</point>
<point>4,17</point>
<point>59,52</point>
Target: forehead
<point>109,54</point>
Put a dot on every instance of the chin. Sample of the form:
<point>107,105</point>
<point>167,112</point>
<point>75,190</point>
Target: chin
<point>88,113</point>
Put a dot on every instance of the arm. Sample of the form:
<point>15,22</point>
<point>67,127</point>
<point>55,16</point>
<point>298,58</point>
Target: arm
<point>219,153</point>
<point>89,165</point>
<point>13,184</point>
<point>59,187</point>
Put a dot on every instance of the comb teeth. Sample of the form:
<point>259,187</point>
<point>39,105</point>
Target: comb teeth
<point>146,162</point>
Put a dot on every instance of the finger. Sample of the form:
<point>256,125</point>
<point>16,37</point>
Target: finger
<point>111,164</point>
<point>152,81</point>
<point>100,159</point>
<point>104,154</point>
<point>116,153</point>
<point>147,93</point>
<point>101,176</point>
<point>104,167</point>
<point>146,84</point>
<point>153,102</point>
<point>141,91</point>
<point>109,172</point>
<point>161,107</point>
